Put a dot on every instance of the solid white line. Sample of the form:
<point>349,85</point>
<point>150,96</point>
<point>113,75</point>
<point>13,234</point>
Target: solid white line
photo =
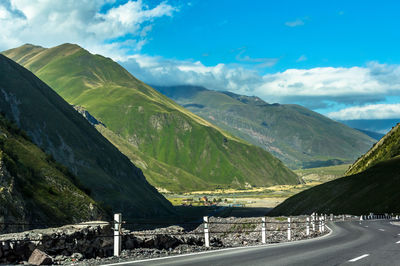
<point>219,250</point>
<point>366,226</point>
<point>383,230</point>
<point>359,258</point>
<point>398,242</point>
<point>398,234</point>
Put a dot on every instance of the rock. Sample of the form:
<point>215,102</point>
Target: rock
<point>38,257</point>
<point>77,256</point>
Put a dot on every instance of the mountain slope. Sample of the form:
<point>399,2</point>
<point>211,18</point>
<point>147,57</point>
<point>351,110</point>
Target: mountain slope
<point>374,190</point>
<point>62,132</point>
<point>296,135</point>
<point>179,150</point>
<point>34,189</point>
<point>372,185</point>
<point>386,148</point>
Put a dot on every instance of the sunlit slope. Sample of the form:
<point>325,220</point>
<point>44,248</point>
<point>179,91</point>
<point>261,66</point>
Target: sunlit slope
<point>386,148</point>
<point>374,190</point>
<point>372,185</point>
<point>296,135</point>
<point>57,128</point>
<point>164,133</point>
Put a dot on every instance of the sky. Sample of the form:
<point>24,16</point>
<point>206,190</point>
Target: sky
<point>339,58</point>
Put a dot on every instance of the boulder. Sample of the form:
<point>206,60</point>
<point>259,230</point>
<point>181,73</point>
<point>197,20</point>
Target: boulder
<point>38,257</point>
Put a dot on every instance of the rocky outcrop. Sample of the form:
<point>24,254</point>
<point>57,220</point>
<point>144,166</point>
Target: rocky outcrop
<point>91,119</point>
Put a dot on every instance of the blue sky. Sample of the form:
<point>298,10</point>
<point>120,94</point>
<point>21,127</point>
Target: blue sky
<point>322,33</point>
<point>339,58</point>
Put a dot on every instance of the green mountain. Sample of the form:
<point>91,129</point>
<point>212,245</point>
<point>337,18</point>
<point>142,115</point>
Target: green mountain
<point>374,190</point>
<point>58,129</point>
<point>386,148</point>
<point>372,185</point>
<point>299,137</point>
<point>34,188</point>
<point>176,149</point>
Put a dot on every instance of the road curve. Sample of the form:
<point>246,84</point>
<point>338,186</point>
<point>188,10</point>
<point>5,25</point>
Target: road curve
<point>350,243</point>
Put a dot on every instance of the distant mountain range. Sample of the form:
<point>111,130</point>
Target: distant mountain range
<point>53,125</point>
<point>381,126</point>
<point>299,137</point>
<point>177,150</point>
<point>372,185</point>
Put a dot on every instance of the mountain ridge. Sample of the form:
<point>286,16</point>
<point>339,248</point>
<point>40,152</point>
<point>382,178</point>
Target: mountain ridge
<point>56,127</point>
<point>166,137</point>
<point>297,136</point>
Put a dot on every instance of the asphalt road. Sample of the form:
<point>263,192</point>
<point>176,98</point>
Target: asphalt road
<point>350,243</point>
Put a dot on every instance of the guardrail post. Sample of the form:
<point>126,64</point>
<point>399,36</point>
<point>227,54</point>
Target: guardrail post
<point>117,234</point>
<point>308,226</point>
<point>313,222</point>
<point>289,230</point>
<point>320,224</point>
<point>206,232</point>
<point>263,230</point>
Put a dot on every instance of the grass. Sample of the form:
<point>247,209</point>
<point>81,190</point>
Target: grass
<point>63,133</point>
<point>180,150</point>
<point>47,191</point>
<point>299,137</point>
<point>322,174</point>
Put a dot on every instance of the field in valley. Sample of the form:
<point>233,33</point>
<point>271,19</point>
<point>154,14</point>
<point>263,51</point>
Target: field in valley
<point>258,197</point>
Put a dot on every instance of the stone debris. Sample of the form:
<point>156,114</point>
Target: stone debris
<point>91,244</point>
<point>38,257</point>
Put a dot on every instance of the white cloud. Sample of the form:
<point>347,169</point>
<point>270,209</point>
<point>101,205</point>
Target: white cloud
<point>311,87</point>
<point>295,23</point>
<point>373,111</point>
<point>49,23</point>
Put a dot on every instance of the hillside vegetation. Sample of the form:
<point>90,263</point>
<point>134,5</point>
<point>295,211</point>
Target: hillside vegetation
<point>386,148</point>
<point>177,150</point>
<point>63,133</point>
<point>35,189</point>
<point>299,137</point>
<point>374,190</point>
<point>372,185</point>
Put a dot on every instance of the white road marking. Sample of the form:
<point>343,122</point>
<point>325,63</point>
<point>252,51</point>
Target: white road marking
<point>398,242</point>
<point>366,226</point>
<point>359,258</point>
<point>383,230</point>
<point>398,234</point>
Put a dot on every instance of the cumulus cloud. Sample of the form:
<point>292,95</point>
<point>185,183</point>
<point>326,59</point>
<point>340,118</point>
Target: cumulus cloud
<point>314,88</point>
<point>48,23</point>
<point>373,111</point>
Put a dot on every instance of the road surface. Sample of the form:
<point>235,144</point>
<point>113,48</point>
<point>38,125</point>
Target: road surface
<point>350,243</point>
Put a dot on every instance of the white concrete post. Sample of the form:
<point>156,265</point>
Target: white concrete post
<point>343,218</point>
<point>331,217</point>
<point>263,230</point>
<point>320,224</point>
<point>289,230</point>
<point>117,234</point>
<point>308,226</point>
<point>323,223</point>
<point>313,221</point>
<point>206,232</point>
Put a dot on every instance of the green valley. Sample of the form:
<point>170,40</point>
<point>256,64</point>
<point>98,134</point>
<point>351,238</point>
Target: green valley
<point>177,150</point>
<point>371,185</point>
<point>299,137</point>
<point>54,125</point>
